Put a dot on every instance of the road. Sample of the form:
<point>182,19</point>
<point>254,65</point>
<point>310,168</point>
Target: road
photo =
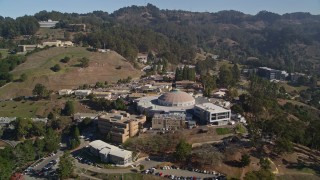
<point>185,173</point>
<point>147,165</point>
<point>47,160</point>
<point>44,163</point>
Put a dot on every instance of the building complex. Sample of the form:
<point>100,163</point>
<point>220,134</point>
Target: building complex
<point>120,125</point>
<point>109,153</point>
<point>212,114</point>
<point>271,74</point>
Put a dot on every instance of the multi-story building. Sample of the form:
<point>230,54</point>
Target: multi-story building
<point>120,125</point>
<point>212,114</point>
<point>271,74</point>
<point>294,77</point>
<point>168,121</point>
<point>109,153</point>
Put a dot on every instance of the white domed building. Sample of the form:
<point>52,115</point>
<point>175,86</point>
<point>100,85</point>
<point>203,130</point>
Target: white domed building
<point>174,101</point>
<point>176,98</point>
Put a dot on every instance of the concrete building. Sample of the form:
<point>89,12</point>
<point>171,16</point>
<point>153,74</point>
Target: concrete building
<point>109,153</point>
<point>28,48</point>
<point>80,116</point>
<point>295,76</point>
<point>63,92</point>
<point>100,94</point>
<point>82,93</point>
<point>58,43</point>
<point>120,125</point>
<point>174,101</point>
<point>5,121</point>
<point>142,57</point>
<point>209,113</point>
<point>48,24</point>
<point>168,121</point>
<point>271,74</point>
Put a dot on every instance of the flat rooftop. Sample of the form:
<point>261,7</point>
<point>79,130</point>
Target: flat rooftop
<point>120,116</point>
<point>211,107</point>
<point>151,102</point>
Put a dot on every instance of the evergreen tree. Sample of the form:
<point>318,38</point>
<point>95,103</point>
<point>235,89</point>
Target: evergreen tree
<point>52,140</point>
<point>183,150</point>
<point>66,166</point>
<point>40,90</point>
<point>225,76</point>
<point>235,73</point>
<point>245,160</point>
<point>68,108</point>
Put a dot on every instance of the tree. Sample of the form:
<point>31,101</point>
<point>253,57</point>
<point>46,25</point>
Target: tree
<point>283,145</point>
<point>66,166</point>
<point>232,93</point>
<point>39,146</point>
<point>56,68</point>
<point>313,82</point>
<point>50,116</point>
<point>74,137</point>
<point>259,175</point>
<point>235,73</point>
<point>265,163</point>
<point>7,162</point>
<point>23,77</point>
<point>183,150</point>
<point>56,124</point>
<point>236,108</point>
<point>245,160</point>
<point>225,76</point>
<point>52,140</point>
<point>68,108</point>
<point>141,167</point>
<point>23,127</point>
<point>208,83</point>
<point>65,59</point>
<point>84,62</point>
<point>38,128</point>
<point>24,152</point>
<point>40,90</point>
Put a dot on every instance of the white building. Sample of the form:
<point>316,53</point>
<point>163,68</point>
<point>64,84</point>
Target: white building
<point>58,43</point>
<point>212,114</point>
<point>82,93</point>
<point>109,153</point>
<point>48,24</point>
<point>65,92</point>
<point>174,101</point>
<point>143,58</point>
<point>80,116</point>
<point>100,94</point>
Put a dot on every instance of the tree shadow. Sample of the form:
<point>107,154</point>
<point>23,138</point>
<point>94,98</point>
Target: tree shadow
<point>301,166</point>
<point>233,163</point>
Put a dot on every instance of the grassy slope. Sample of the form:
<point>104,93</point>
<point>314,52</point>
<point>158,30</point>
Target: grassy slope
<point>4,53</point>
<point>37,67</point>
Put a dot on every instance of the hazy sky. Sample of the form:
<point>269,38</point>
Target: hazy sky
<point>15,8</point>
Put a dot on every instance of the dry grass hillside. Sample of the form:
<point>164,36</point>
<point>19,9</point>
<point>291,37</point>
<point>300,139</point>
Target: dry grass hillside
<point>102,67</point>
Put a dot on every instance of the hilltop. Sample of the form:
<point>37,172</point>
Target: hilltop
<point>102,67</point>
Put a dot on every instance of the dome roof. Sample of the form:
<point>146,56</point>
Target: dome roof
<point>176,98</point>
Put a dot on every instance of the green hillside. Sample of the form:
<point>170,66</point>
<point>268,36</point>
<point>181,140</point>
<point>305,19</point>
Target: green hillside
<point>102,67</point>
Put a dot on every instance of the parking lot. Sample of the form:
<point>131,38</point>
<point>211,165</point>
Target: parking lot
<point>173,172</point>
<point>44,168</point>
